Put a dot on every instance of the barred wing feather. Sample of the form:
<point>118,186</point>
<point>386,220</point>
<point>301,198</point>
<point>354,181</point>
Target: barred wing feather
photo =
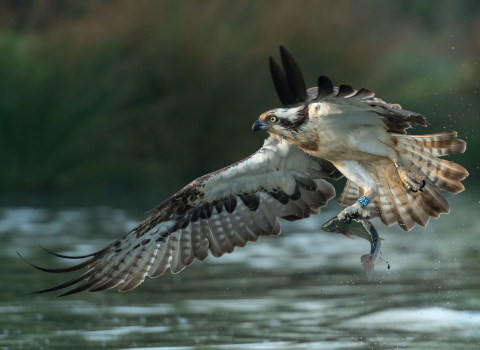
<point>214,214</point>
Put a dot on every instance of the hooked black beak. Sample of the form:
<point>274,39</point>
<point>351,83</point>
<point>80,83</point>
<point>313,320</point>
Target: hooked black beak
<point>258,125</point>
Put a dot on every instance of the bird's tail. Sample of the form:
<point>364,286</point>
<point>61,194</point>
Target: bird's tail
<point>395,202</point>
<point>420,154</point>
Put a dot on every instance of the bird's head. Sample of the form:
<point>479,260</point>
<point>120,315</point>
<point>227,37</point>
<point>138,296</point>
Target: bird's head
<point>282,121</point>
<point>290,85</point>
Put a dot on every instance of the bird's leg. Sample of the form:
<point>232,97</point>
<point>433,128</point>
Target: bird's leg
<point>413,181</point>
<point>368,140</point>
<point>354,171</point>
<point>358,208</point>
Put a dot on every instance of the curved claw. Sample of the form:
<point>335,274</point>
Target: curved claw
<point>348,218</point>
<point>419,189</point>
<point>423,185</point>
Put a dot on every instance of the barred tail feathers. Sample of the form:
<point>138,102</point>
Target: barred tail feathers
<point>420,154</point>
<point>395,203</point>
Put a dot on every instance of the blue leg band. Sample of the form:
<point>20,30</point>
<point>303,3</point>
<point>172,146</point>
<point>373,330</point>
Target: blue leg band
<point>363,201</point>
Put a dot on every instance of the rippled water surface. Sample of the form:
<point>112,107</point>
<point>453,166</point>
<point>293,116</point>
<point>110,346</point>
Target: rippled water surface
<point>302,290</point>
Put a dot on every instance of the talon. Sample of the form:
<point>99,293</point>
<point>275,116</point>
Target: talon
<point>413,181</point>
<point>366,214</point>
<point>348,218</point>
<point>423,185</point>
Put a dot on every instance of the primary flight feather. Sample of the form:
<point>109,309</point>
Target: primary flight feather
<point>323,133</point>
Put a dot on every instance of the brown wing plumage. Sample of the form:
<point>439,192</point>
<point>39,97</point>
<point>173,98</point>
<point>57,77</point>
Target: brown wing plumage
<point>214,214</point>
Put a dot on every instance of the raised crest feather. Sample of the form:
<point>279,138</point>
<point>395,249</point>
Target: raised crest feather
<point>294,76</point>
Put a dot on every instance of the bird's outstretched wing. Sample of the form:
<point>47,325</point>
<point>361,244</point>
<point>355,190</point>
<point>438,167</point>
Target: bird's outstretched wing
<point>291,89</point>
<point>216,213</point>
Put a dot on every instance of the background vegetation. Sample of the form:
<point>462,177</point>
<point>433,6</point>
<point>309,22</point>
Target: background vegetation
<point>148,95</point>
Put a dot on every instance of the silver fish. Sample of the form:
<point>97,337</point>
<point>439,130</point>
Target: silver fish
<point>362,228</point>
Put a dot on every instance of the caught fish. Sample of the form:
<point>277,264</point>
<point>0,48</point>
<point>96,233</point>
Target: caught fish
<point>362,228</point>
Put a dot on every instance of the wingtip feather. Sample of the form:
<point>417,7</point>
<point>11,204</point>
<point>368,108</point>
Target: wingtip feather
<point>67,256</point>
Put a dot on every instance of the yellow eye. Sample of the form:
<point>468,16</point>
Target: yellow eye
<point>273,119</point>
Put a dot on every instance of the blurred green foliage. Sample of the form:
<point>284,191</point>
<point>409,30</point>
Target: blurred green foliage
<point>152,94</point>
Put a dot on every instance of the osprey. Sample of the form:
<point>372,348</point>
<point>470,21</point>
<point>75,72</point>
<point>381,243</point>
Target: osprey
<point>323,133</point>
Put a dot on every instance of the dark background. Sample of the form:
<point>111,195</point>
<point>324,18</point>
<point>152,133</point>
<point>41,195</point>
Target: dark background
<point>103,97</point>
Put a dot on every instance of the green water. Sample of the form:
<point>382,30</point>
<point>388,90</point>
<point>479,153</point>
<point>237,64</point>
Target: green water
<point>302,290</point>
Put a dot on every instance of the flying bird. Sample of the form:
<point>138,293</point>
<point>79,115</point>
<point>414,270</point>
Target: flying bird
<point>325,132</point>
